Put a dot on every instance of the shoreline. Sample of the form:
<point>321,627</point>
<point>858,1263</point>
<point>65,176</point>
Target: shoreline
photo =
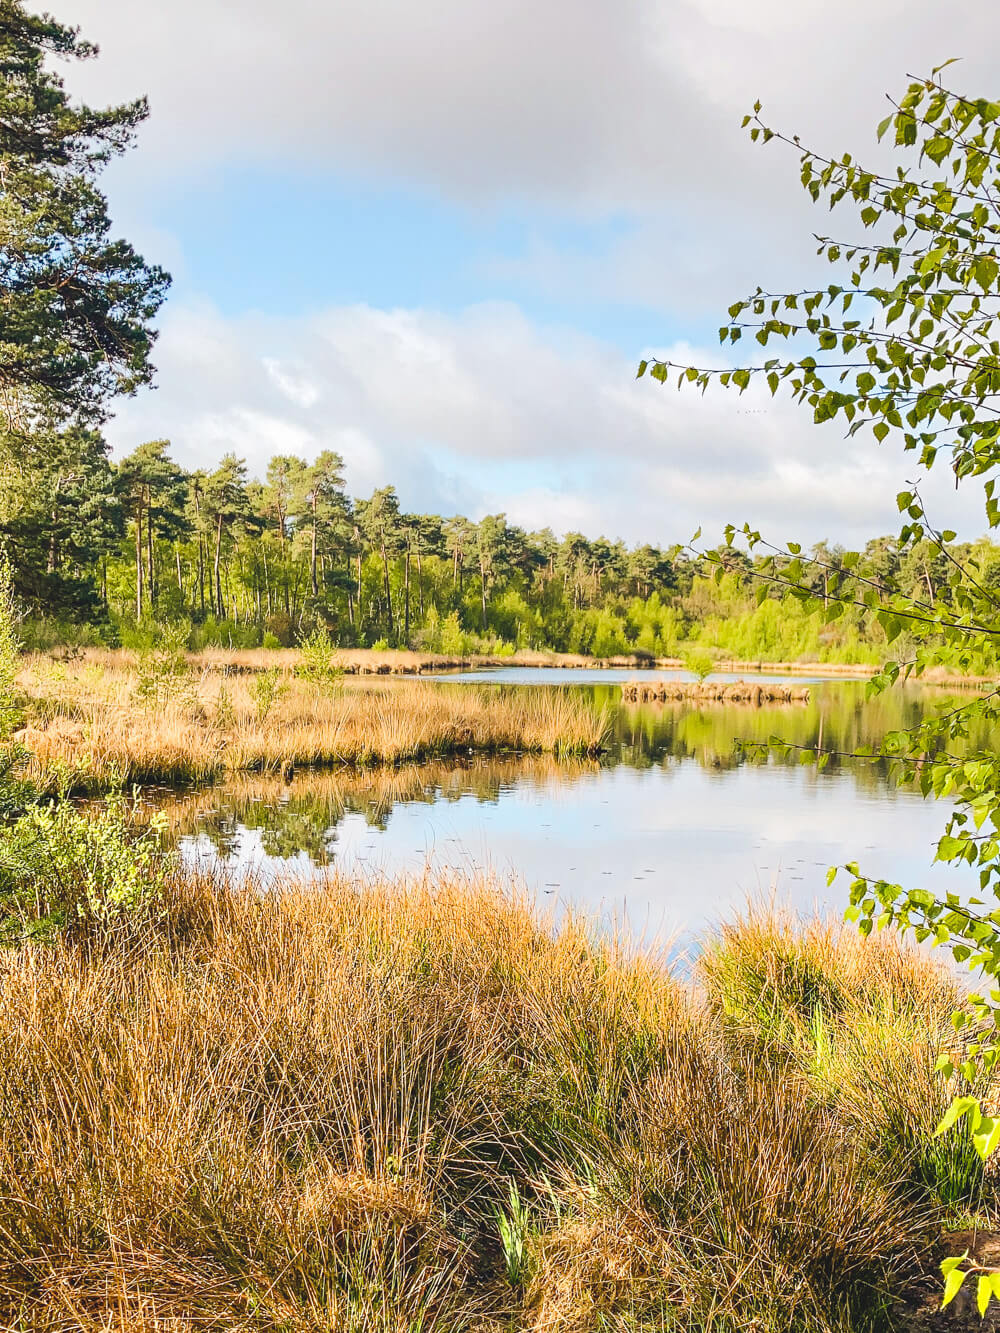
<point>407,662</point>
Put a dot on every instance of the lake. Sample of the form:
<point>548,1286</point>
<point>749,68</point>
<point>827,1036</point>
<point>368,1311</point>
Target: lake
<point>669,830</point>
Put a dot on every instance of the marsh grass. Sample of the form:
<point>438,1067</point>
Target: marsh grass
<point>93,720</point>
<point>863,1023</point>
<point>419,1106</point>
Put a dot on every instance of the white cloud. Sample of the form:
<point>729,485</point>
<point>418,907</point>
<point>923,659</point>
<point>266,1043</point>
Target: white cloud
<point>578,102</point>
<point>486,411</point>
<point>570,108</point>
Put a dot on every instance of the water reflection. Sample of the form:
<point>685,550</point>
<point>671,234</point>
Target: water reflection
<point>672,824</point>
<point>303,817</point>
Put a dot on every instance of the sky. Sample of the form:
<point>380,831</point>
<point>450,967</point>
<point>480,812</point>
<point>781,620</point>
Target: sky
<point>438,238</point>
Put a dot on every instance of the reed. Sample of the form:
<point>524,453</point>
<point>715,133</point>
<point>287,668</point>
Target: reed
<point>91,721</point>
<point>422,1106</point>
<point>714,691</point>
<point>362,661</point>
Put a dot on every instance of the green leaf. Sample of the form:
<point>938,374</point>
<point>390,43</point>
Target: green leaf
<point>987,1137</point>
<point>984,1291</point>
<point>960,1106</point>
<point>938,148</point>
<point>881,431</point>
<point>953,1285</point>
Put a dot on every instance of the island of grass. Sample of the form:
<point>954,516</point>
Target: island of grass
<point>97,723</point>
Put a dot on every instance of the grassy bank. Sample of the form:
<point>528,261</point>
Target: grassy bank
<point>108,722</point>
<point>404,662</point>
<point>419,1107</point>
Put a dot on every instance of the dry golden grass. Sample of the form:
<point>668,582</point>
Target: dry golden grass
<point>356,661</point>
<point>304,1110</point>
<point>87,718</point>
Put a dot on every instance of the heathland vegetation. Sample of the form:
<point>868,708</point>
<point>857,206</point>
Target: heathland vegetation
<point>99,723</point>
<point>421,1107</point>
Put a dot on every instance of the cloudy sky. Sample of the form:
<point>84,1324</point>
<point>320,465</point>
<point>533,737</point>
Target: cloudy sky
<point>438,237</point>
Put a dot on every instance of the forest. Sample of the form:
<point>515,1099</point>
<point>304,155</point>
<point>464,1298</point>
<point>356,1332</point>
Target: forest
<point>105,551</point>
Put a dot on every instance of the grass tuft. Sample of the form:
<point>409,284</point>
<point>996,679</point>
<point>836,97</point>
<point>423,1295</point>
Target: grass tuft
<point>420,1106</point>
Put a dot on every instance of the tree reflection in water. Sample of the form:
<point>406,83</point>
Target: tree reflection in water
<point>302,817</point>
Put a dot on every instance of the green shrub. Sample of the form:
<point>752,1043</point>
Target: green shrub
<point>279,626</point>
<point>67,865</point>
<point>699,662</point>
<point>162,663</point>
<point>318,663</point>
<point>266,688</point>
<point>14,792</point>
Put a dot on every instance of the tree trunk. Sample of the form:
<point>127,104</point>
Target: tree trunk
<point>406,601</point>
<point>388,594</point>
<point>219,609</point>
<point>138,561</point>
<point>284,565</point>
<point>267,580</point>
<point>180,580</point>
<point>420,583</point>
<point>482,589</point>
<point>151,582</point>
<point>312,552</point>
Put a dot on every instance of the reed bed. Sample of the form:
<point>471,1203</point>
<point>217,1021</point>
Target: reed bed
<point>714,691</point>
<point>420,1106</point>
<point>360,661</point>
<point>89,721</point>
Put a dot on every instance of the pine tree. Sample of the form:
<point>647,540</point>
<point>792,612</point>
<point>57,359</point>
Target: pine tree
<point>75,304</point>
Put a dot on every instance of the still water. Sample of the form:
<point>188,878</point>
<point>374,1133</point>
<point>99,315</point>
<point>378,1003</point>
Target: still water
<point>670,830</point>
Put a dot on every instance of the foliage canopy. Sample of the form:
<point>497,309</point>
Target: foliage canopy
<point>906,341</point>
<point>75,303</point>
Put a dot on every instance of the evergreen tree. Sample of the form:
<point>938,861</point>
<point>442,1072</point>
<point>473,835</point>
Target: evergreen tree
<point>60,517</point>
<point>75,304</point>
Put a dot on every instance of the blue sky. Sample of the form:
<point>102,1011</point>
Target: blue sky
<point>438,238</point>
<point>332,239</point>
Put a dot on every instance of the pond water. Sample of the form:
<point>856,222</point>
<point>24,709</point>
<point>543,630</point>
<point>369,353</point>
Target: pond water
<point>670,830</point>
<point>516,675</point>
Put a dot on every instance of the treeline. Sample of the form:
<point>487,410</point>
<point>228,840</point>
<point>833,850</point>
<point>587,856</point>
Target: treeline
<point>101,550</point>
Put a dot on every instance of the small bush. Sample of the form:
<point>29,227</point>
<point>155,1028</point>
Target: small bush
<point>281,627</point>
<point>318,663</point>
<point>266,688</point>
<point>699,662</point>
<point>162,664</point>
<point>66,865</point>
